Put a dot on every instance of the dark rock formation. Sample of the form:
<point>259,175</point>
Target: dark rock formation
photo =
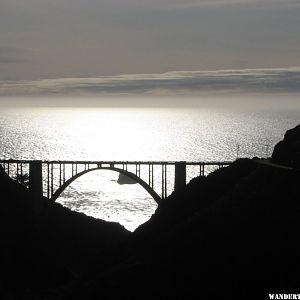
<point>123,179</point>
<point>233,233</point>
<point>287,152</point>
<point>49,250</point>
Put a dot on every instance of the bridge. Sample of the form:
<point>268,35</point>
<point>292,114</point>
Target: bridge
<point>51,178</point>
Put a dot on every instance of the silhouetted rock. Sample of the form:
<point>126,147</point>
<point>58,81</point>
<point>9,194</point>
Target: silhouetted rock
<point>287,151</point>
<point>123,179</point>
<point>233,233</point>
<point>39,253</point>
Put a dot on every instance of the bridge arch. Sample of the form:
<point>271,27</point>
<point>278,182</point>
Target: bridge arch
<point>131,175</point>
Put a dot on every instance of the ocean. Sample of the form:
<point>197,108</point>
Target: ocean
<point>135,134</point>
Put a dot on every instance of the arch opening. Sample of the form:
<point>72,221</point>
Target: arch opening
<point>99,195</point>
<point>121,171</point>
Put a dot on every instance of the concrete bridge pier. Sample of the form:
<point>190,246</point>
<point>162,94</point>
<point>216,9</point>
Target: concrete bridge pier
<point>180,175</point>
<point>36,184</point>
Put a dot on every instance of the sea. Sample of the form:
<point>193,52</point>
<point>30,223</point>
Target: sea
<point>136,134</point>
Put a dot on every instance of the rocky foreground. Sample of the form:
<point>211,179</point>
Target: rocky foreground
<point>231,235</point>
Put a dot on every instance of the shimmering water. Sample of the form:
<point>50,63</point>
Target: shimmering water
<point>134,134</point>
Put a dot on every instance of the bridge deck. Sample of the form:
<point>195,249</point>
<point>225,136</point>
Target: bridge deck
<point>190,163</point>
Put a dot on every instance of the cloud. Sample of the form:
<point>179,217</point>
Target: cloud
<point>71,38</point>
<point>201,3</point>
<point>11,55</point>
<point>171,83</point>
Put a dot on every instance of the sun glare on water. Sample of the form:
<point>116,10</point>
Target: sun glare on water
<point>134,134</point>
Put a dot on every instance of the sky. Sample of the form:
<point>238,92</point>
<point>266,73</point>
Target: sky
<point>148,46</point>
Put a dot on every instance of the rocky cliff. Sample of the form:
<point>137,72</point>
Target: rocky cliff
<point>287,151</point>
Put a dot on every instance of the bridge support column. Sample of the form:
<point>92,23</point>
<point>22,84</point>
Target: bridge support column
<point>36,178</point>
<point>180,175</point>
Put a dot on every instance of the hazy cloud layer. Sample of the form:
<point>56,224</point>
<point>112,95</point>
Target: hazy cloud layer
<point>87,38</point>
<point>171,83</point>
<point>13,55</point>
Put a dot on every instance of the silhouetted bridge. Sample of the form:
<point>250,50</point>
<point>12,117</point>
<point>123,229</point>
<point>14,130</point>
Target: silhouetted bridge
<point>51,178</point>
